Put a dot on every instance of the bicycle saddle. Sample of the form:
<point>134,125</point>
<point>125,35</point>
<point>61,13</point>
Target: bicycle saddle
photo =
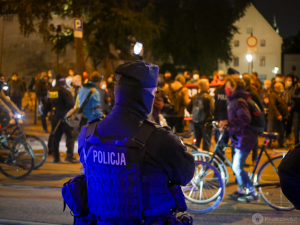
<point>272,135</point>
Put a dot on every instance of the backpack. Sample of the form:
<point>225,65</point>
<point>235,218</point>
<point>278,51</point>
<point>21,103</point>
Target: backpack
<point>74,193</point>
<point>172,101</point>
<point>257,123</point>
<point>198,109</point>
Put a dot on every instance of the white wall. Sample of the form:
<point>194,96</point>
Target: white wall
<point>261,30</point>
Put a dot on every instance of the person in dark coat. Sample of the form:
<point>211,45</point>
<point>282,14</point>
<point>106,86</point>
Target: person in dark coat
<point>41,89</point>
<point>201,128</point>
<point>255,97</point>
<point>16,90</point>
<point>165,154</point>
<point>288,92</point>
<point>264,97</point>
<point>60,102</point>
<point>243,138</point>
<point>278,112</point>
<point>296,118</point>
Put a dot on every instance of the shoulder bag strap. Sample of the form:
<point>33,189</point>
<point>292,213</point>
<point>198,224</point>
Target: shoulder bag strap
<point>86,101</point>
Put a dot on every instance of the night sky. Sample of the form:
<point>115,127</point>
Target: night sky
<point>287,14</point>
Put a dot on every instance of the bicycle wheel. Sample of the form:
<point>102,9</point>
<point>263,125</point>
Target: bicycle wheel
<point>268,185</point>
<point>207,184</point>
<point>39,149</point>
<point>217,162</point>
<point>18,162</point>
<point>191,148</point>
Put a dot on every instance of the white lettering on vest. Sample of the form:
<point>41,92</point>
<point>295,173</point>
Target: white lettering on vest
<point>109,158</point>
<point>112,161</point>
<point>99,157</point>
<point>222,97</point>
<point>95,155</point>
<point>104,158</point>
<point>123,159</point>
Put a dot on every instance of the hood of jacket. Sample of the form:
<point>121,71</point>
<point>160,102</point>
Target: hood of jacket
<point>137,100</point>
<point>176,85</point>
<point>239,93</point>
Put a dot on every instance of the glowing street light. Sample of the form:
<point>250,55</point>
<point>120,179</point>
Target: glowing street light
<point>249,58</point>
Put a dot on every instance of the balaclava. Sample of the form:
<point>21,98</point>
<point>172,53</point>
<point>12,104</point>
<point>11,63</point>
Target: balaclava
<point>133,81</point>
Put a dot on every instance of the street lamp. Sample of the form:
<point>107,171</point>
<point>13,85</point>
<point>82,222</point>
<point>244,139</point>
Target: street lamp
<point>249,58</point>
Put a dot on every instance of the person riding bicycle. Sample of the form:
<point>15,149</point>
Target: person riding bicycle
<point>7,107</point>
<point>140,186</point>
<point>243,138</point>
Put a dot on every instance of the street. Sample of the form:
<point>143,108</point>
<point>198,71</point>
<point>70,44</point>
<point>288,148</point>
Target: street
<point>37,198</point>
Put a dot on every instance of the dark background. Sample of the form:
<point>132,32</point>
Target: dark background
<point>287,14</point>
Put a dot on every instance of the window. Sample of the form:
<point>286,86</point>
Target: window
<point>262,61</point>
<point>262,78</point>
<point>236,43</point>
<point>236,61</point>
<point>249,30</point>
<point>263,42</point>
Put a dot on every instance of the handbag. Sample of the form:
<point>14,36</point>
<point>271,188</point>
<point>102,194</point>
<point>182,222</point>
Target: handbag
<point>74,116</point>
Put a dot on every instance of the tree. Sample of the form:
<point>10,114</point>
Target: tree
<point>108,25</point>
<point>197,32</point>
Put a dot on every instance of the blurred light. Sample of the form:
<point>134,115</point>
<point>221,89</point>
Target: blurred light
<point>275,70</point>
<point>249,58</point>
<point>19,116</point>
<point>5,88</point>
<point>194,141</point>
<point>137,48</point>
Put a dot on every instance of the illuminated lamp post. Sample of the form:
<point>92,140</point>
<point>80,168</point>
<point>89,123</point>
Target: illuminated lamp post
<point>249,58</point>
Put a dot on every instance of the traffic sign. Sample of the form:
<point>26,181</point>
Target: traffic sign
<point>78,28</point>
<point>252,41</point>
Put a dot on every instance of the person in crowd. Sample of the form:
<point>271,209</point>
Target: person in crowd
<point>255,97</point>
<point>7,107</point>
<point>60,102</point>
<point>166,161</point>
<point>243,138</point>
<point>178,98</point>
<point>85,76</point>
<point>159,97</point>
<point>296,117</point>
<point>77,85</point>
<point>92,109</point>
<point>288,92</point>
<point>202,107</point>
<point>41,89</point>
<point>278,112</point>
<point>16,90</point>
<point>264,97</point>
<point>256,81</point>
<point>51,75</point>
<point>2,77</point>
<point>195,78</point>
<point>187,75</point>
<point>215,81</point>
<point>220,115</point>
<point>168,77</point>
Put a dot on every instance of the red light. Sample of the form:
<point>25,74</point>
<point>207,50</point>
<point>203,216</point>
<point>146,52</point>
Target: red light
<point>194,141</point>
<point>267,142</point>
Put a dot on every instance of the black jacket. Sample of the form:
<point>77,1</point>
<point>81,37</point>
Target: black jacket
<point>60,101</point>
<point>255,97</point>
<point>220,104</point>
<point>16,89</point>
<point>277,107</point>
<point>42,88</point>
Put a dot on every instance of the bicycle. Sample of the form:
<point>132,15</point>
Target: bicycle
<point>37,145</point>
<point>207,181</point>
<point>17,159</point>
<point>266,180</point>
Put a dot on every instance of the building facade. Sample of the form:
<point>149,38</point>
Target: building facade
<point>266,54</point>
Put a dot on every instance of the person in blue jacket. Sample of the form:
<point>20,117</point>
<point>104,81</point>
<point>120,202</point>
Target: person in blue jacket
<point>121,191</point>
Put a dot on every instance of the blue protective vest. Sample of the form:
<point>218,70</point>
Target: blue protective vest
<point>118,186</point>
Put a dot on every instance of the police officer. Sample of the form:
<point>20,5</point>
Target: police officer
<point>60,102</point>
<point>117,193</point>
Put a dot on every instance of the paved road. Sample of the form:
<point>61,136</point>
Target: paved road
<point>37,199</point>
